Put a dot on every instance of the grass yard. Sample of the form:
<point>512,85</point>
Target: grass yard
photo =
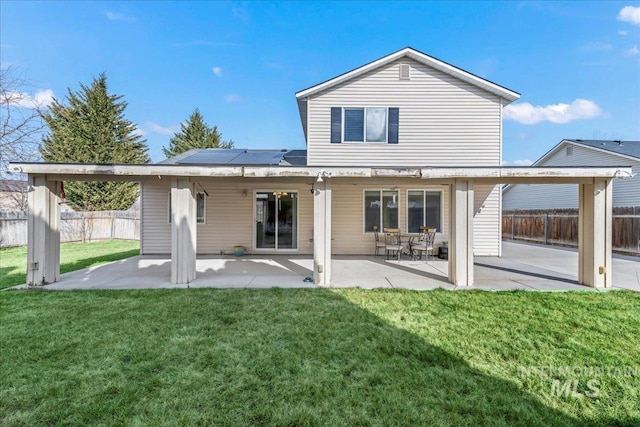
<point>73,256</point>
<point>315,357</point>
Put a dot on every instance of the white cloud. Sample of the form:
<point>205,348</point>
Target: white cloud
<point>156,128</point>
<point>233,98</point>
<point>579,109</point>
<point>632,51</point>
<point>41,99</point>
<point>623,32</point>
<point>596,47</point>
<point>113,16</point>
<point>217,71</point>
<point>522,162</point>
<point>630,14</point>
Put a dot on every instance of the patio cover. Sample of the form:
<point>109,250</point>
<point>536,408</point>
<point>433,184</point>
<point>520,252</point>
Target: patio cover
<point>595,210</point>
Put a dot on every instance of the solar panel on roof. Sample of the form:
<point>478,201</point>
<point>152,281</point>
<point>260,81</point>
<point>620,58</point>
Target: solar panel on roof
<point>212,156</point>
<point>296,157</point>
<point>258,158</point>
<point>237,156</point>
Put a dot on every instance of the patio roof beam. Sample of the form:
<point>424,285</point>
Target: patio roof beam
<point>486,174</point>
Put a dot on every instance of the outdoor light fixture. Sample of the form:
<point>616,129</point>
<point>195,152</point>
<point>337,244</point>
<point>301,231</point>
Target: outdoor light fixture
<point>620,174</point>
<point>323,173</point>
<point>244,193</point>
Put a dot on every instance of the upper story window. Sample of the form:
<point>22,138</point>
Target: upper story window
<point>365,125</point>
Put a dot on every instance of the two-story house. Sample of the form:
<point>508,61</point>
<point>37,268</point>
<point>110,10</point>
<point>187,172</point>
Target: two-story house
<point>404,111</point>
<point>404,141</point>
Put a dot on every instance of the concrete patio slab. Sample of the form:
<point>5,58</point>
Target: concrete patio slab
<point>522,267</point>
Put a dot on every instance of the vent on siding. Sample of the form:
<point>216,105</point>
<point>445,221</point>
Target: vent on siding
<point>569,151</point>
<point>405,72</point>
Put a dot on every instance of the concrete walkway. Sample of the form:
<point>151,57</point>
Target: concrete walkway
<point>522,266</point>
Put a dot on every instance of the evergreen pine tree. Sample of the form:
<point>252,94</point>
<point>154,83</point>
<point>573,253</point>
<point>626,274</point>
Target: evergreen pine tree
<point>195,133</point>
<point>91,128</point>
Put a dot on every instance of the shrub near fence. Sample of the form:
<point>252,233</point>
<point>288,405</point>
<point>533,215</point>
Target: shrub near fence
<point>560,227</point>
<point>75,226</point>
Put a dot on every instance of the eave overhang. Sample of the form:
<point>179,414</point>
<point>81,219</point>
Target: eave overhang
<point>495,175</point>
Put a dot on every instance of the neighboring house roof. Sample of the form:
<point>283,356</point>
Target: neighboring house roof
<point>507,94</point>
<point>239,157</point>
<point>624,149</point>
<point>12,185</point>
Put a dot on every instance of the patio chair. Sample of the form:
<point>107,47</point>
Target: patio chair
<point>392,242</point>
<point>425,243</point>
<point>379,243</point>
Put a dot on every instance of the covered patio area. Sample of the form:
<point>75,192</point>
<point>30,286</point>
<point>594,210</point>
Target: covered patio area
<point>184,269</point>
<point>522,267</point>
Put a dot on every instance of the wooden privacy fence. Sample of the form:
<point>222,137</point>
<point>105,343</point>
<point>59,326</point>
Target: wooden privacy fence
<point>75,226</point>
<point>560,227</point>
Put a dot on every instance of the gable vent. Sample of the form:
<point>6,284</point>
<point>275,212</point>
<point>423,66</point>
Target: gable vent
<point>569,151</point>
<point>405,72</point>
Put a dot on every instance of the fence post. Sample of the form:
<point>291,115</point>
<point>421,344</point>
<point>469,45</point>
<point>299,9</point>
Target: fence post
<point>546,225</point>
<point>513,225</point>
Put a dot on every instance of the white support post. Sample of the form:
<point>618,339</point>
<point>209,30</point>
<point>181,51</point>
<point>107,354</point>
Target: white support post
<point>595,233</point>
<point>183,231</point>
<point>322,233</point>
<point>461,233</point>
<point>43,239</point>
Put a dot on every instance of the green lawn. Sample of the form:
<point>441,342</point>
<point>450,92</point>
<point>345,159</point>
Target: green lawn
<point>315,357</point>
<point>73,256</point>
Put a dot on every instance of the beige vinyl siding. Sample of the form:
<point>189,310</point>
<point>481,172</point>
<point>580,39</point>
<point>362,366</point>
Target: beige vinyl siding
<point>486,220</point>
<point>347,212</point>
<point>156,230</point>
<point>229,216</point>
<point>443,121</point>
<point>626,192</point>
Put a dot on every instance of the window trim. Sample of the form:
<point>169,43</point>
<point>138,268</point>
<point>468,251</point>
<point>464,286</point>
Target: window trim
<point>424,195</point>
<point>380,191</point>
<point>204,199</point>
<point>364,125</point>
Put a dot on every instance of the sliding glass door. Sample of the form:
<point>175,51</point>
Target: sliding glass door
<point>276,220</point>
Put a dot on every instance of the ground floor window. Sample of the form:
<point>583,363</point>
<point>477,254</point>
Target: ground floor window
<point>201,208</point>
<point>380,209</point>
<point>424,207</point>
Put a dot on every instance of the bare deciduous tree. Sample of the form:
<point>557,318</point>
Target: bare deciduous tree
<point>21,123</point>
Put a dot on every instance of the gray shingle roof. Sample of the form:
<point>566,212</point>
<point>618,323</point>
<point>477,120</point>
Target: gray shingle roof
<point>627,148</point>
<point>239,157</point>
<point>12,185</point>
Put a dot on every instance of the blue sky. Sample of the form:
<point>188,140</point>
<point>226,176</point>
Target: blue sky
<point>576,64</point>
